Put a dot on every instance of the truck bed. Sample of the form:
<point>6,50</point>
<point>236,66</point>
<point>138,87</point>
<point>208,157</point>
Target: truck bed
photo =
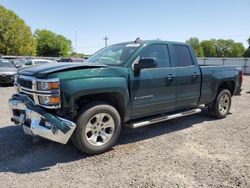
<point>214,74</point>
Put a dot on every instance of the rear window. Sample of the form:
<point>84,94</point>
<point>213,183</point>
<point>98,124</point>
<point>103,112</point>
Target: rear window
<point>182,56</point>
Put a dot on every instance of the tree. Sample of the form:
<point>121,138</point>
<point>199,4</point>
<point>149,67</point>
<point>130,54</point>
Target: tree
<point>196,45</point>
<point>52,44</point>
<point>78,55</point>
<point>247,52</point>
<point>15,36</point>
<point>218,48</point>
<point>209,47</point>
<point>237,50</point>
<point>224,48</point>
<point>228,48</point>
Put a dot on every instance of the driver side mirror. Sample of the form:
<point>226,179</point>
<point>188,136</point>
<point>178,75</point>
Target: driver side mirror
<point>144,63</point>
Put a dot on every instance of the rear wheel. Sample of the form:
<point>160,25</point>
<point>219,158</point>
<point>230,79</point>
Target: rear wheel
<point>98,128</point>
<point>221,105</point>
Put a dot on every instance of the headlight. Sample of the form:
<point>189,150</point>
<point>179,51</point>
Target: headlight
<point>47,86</point>
<point>49,100</point>
<point>48,92</point>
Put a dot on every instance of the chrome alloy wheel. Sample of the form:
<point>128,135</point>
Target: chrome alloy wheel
<point>224,103</point>
<point>100,129</point>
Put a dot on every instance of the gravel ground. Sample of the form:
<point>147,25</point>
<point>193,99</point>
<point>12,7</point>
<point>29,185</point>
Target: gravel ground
<point>194,151</point>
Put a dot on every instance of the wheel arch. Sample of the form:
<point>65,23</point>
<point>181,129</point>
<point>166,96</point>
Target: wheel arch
<point>229,85</point>
<point>115,99</point>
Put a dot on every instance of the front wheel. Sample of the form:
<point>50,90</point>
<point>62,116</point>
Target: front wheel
<point>221,105</point>
<point>98,128</point>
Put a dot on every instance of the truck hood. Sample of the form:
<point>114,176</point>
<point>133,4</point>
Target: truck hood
<point>5,70</point>
<point>42,71</point>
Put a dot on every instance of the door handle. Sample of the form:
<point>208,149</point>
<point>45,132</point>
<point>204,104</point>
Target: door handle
<point>170,76</point>
<point>194,75</point>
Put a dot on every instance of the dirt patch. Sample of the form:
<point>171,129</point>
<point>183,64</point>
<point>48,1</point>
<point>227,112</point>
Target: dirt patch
<point>188,152</point>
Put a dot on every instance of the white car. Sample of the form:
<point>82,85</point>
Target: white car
<point>34,62</point>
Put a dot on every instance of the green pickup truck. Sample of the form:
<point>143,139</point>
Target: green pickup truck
<point>133,83</point>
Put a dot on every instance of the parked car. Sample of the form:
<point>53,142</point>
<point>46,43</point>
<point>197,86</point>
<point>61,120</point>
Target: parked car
<point>7,72</point>
<point>134,83</point>
<point>18,63</point>
<point>72,60</point>
<point>35,62</point>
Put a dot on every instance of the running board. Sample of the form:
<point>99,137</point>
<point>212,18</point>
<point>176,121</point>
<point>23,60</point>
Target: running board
<point>164,118</point>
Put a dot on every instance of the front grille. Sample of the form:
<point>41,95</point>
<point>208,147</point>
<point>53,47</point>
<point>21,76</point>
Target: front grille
<point>6,78</point>
<point>24,83</point>
<point>27,85</point>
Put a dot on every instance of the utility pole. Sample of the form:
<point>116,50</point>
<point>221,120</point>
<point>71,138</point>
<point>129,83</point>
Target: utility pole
<point>106,40</point>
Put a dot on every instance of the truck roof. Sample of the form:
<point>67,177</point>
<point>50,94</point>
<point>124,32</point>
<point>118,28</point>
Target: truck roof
<point>152,42</point>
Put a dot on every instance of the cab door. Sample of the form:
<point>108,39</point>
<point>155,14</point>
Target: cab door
<point>153,90</point>
<point>188,77</point>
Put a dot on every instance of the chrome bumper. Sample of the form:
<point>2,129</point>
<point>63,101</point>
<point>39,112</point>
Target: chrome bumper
<point>34,121</point>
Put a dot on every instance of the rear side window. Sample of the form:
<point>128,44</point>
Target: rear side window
<point>183,56</point>
<point>159,52</point>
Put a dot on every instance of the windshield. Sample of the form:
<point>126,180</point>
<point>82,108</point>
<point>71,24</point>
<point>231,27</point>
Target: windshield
<point>6,64</point>
<point>114,55</point>
<point>19,61</point>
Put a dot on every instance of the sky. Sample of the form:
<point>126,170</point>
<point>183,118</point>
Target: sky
<point>87,22</point>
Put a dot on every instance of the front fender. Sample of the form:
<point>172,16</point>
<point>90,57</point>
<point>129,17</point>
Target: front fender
<point>72,90</point>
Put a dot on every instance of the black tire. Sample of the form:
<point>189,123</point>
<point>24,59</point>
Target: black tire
<point>216,109</point>
<point>86,116</point>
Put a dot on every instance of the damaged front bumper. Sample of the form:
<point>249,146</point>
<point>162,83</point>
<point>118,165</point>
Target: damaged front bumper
<point>37,122</point>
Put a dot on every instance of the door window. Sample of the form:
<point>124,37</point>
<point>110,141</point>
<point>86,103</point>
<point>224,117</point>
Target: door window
<point>159,52</point>
<point>182,56</point>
